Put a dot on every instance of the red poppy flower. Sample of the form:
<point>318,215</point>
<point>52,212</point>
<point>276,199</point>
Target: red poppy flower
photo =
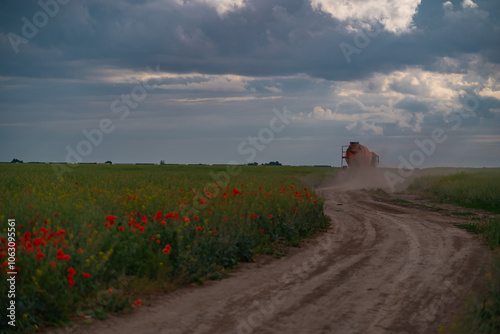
<point>270,216</point>
<point>138,302</point>
<point>60,254</point>
<point>254,216</point>
<point>167,249</point>
<point>111,219</point>
<point>86,275</point>
<point>199,228</point>
<point>39,255</point>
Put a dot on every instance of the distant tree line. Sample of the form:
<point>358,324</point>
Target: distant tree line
<point>272,163</point>
<point>162,162</point>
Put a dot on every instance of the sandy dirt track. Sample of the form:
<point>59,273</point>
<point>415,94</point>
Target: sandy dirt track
<point>379,268</point>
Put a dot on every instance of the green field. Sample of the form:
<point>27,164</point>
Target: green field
<point>104,236</point>
<point>479,189</point>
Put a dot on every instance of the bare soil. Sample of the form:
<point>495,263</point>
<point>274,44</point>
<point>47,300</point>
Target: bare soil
<point>382,266</point>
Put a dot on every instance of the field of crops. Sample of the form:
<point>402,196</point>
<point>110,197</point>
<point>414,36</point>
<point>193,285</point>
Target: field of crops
<point>104,236</point>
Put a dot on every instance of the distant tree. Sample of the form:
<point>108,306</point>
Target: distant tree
<point>14,161</point>
<point>108,162</point>
<point>273,163</point>
<point>253,164</point>
<point>162,162</point>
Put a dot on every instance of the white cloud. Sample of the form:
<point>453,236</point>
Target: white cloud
<point>364,127</point>
<point>448,6</point>
<point>225,99</point>
<point>273,89</point>
<point>468,4</point>
<point>227,83</point>
<point>223,6</point>
<point>469,10</point>
<point>488,92</point>
<point>366,119</point>
<point>194,81</point>
<point>396,16</point>
<point>401,98</point>
<point>491,88</point>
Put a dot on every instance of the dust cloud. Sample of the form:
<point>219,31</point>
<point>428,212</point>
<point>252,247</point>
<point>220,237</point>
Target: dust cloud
<point>377,178</point>
<point>362,178</point>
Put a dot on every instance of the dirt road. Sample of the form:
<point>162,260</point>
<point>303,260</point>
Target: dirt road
<point>380,268</point>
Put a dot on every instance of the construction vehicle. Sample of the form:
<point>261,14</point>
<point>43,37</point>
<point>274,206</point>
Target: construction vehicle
<point>357,156</point>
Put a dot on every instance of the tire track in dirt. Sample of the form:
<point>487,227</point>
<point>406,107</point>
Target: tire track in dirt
<point>379,268</point>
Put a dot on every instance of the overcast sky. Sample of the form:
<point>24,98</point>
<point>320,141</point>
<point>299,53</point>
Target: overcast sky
<point>218,81</point>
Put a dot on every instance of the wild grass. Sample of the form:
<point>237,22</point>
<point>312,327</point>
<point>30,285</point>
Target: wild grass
<point>480,190</point>
<point>105,236</point>
<point>482,314</point>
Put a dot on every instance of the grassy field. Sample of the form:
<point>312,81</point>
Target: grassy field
<point>481,190</point>
<point>105,236</point>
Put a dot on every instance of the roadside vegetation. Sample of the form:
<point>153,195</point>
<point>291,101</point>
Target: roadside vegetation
<point>105,236</point>
<point>479,190</point>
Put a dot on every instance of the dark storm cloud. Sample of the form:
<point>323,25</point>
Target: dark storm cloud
<point>261,39</point>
